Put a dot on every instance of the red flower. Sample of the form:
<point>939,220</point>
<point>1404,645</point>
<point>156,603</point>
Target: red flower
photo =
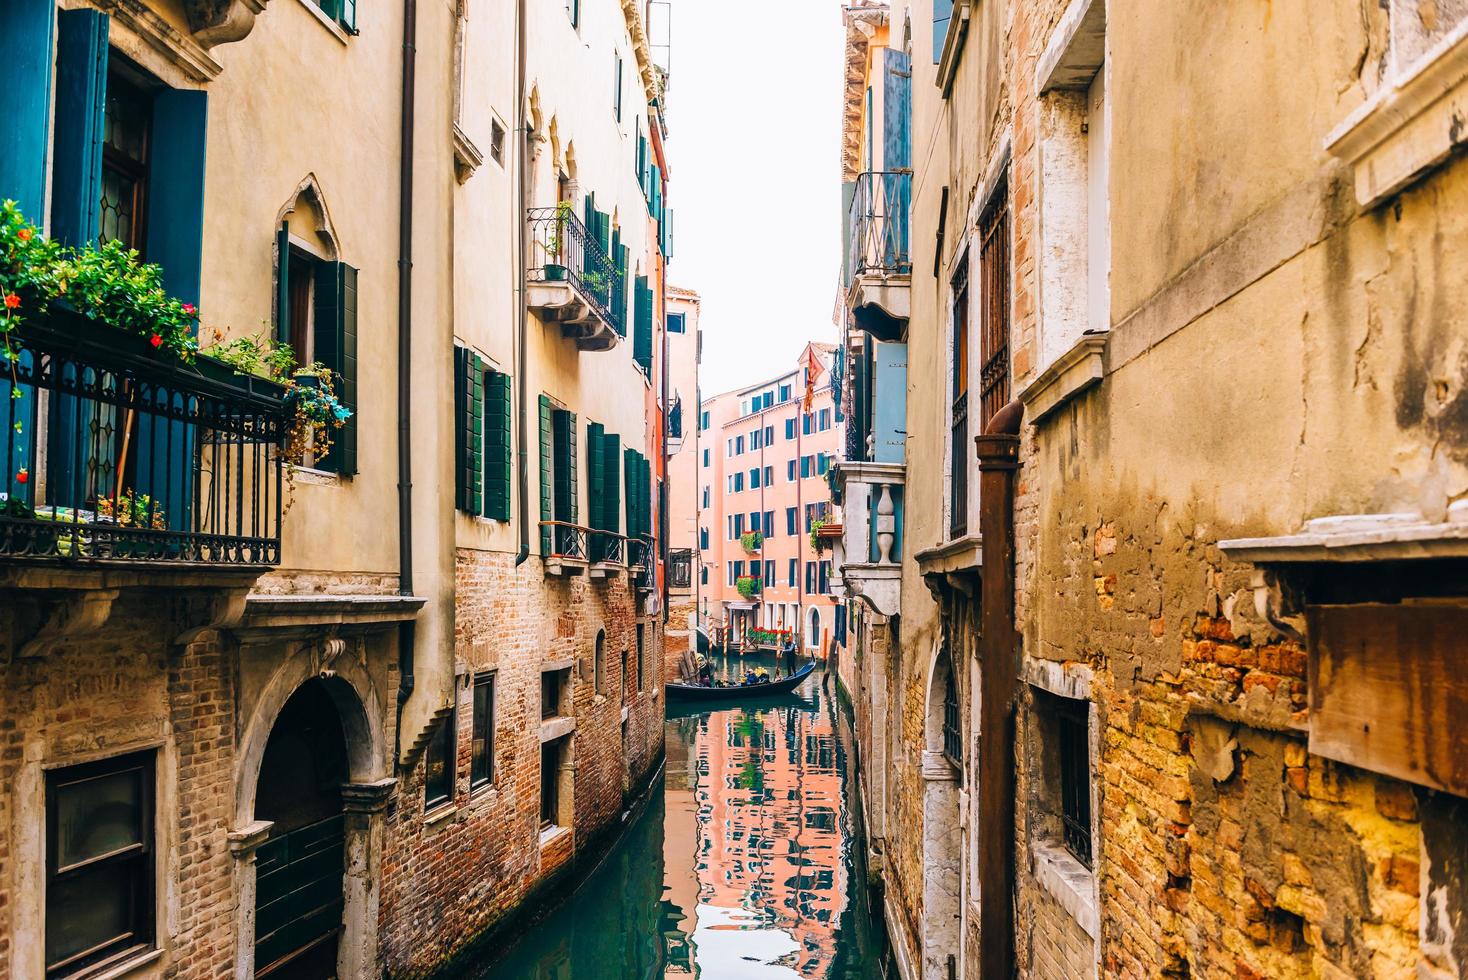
<point>23,476</point>
<point>11,301</point>
<point>24,234</point>
<point>156,340</point>
<point>189,308</point>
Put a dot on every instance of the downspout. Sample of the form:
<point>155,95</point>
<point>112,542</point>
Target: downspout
<point>522,316</point>
<point>406,629</point>
<point>663,522</point>
<point>998,452</point>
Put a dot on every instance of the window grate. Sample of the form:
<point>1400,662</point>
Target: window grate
<point>952,725</point>
<point>1073,727</point>
<point>994,274</point>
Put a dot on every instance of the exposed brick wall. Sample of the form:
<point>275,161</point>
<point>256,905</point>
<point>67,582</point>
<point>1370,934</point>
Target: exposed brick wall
<point>110,692</point>
<point>447,881</point>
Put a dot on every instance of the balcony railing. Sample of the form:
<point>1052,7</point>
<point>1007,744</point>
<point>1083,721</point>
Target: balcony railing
<point>560,540</point>
<point>872,537</point>
<point>641,562</point>
<point>562,250</point>
<point>960,449</point>
<point>606,547</point>
<point>114,454</point>
<point>879,225</point>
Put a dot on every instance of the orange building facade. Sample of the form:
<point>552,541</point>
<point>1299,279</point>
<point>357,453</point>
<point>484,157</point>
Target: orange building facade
<point>765,452</point>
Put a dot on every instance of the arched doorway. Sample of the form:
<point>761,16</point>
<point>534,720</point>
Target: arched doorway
<point>942,838</point>
<point>813,637</point>
<point>300,868</point>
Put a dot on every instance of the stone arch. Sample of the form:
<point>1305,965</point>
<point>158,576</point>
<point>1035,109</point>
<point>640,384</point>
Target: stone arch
<point>942,837</point>
<point>570,159</point>
<point>306,210</point>
<point>358,707</point>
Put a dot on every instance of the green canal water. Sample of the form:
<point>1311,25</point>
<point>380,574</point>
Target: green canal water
<point>746,864</point>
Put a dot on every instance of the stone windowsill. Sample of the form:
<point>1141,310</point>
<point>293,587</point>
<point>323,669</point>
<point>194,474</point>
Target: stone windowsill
<point>555,727</point>
<point>960,554</point>
<point>1069,882</point>
<point>310,477</point>
<point>129,966</point>
<point>1360,537</point>
<point>439,814</point>
<point>551,834</point>
<point>1410,125</point>
<point>1071,374</point>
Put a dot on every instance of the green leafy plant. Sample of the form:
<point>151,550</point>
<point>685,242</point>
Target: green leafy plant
<point>751,540</point>
<point>133,510</point>
<point>815,533</point>
<point>747,585</point>
<point>767,637</point>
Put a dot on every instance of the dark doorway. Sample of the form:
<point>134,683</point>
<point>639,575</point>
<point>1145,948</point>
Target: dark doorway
<point>299,870</point>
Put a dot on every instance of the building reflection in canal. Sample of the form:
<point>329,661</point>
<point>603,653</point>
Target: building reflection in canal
<point>746,866</point>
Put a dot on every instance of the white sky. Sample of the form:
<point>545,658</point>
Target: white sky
<point>754,117</point>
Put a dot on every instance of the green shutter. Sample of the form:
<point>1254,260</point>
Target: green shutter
<point>645,505</point>
<point>611,504</point>
<point>545,472</point>
<point>570,456</point>
<point>595,479</point>
<point>563,425</point>
<point>497,462</point>
<point>283,284</point>
<point>336,347</point>
<point>629,469</point>
<point>468,431</point>
<point>348,15</point>
<point>642,327</point>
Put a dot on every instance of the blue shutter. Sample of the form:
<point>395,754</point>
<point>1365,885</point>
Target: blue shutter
<point>176,189</point>
<point>81,96</point>
<point>28,27</point>
<point>889,408</point>
<point>896,189</point>
<point>942,13</point>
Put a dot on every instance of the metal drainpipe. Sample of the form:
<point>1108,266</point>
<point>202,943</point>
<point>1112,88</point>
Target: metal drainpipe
<point>406,629</point>
<point>663,522</point>
<point>998,452</point>
<point>522,151</point>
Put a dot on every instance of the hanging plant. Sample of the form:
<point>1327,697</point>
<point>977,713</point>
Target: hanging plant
<point>815,533</point>
<point>107,283</point>
<point>751,540</point>
<point>748,586</point>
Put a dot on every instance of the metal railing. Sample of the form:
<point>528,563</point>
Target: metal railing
<point>559,539</point>
<point>879,225</point>
<point>680,568</point>
<point>641,562</point>
<point>606,547</point>
<point>562,250</point>
<point>113,453</point>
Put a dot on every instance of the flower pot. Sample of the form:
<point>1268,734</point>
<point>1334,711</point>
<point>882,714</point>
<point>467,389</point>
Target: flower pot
<point>554,273</point>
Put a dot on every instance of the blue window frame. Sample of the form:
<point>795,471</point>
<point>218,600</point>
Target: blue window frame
<point>794,571</point>
<point>790,428</point>
<point>790,516</point>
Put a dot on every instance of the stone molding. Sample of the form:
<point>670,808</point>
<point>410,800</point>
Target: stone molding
<point>244,842</point>
<point>937,768</point>
<point>1360,537</point>
<point>1068,377</point>
<point>1077,48</point>
<point>1070,883</point>
<point>1412,124</point>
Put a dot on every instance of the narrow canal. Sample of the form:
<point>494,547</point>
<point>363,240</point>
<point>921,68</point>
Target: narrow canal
<point>746,864</point>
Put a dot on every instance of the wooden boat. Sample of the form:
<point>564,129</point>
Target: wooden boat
<point>739,692</point>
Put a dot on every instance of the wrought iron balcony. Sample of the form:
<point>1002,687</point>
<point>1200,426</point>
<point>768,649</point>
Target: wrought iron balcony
<point>642,562</point>
<point>563,547</point>
<point>572,280</point>
<point>608,551</point>
<point>878,261</point>
<point>870,553</point>
<point>114,454</point>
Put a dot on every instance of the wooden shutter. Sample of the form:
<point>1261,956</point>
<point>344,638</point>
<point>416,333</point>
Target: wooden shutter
<point>25,104</point>
<point>595,480</point>
<point>336,347</point>
<point>348,15</point>
<point>283,284</point>
<point>545,472</point>
<point>563,425</point>
<point>642,327</point>
<point>81,95</point>
<point>497,462</point>
<point>612,481</point>
<point>468,431</point>
<point>629,467</point>
<point>176,189</point>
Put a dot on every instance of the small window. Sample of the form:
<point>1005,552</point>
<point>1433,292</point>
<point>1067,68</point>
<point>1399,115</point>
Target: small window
<point>1072,724</point>
<point>600,660</point>
<point>481,758</point>
<point>794,571</point>
<point>676,325</point>
<point>790,470</point>
<point>790,518</point>
<point>344,12</point>
<point>703,574</point>
<point>641,659</point>
<point>438,765</point>
<point>617,85</point>
<point>825,419</point>
<point>769,435</point>
<point>573,10</point>
<point>705,459</point>
<point>952,725</point>
<point>703,421</point>
<point>789,428</point>
<point>754,475</point>
<point>769,524</point>
<point>703,538</point>
<point>552,761</point>
<point>555,693</point>
<point>738,445</point>
<point>99,862</point>
<point>706,496</point>
<point>769,476</point>
<point>497,141</point>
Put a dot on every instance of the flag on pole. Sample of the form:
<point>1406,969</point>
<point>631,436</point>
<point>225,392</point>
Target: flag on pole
<point>812,372</point>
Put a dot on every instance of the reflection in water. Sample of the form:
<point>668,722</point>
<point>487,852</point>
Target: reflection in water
<point>746,865</point>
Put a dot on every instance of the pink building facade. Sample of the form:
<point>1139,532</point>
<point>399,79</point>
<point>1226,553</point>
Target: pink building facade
<point>765,452</point>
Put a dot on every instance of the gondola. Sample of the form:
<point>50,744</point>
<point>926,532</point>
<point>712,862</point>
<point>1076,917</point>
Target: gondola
<point>697,692</point>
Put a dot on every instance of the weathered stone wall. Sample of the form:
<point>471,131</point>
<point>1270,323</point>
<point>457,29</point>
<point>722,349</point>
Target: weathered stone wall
<point>452,874</point>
